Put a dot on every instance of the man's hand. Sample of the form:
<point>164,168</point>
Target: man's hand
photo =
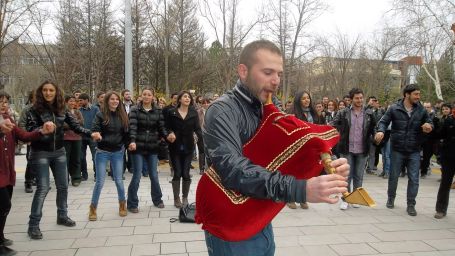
<point>132,146</point>
<point>378,137</point>
<point>171,137</point>
<point>6,126</point>
<point>96,136</point>
<point>319,189</point>
<point>426,128</point>
<point>341,166</point>
<point>48,127</point>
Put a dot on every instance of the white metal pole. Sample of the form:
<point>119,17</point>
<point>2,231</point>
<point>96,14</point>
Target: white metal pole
<point>128,48</point>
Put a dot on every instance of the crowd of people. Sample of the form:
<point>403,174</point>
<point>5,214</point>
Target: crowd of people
<point>135,135</point>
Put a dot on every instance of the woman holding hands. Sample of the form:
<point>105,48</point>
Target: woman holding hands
<point>110,130</point>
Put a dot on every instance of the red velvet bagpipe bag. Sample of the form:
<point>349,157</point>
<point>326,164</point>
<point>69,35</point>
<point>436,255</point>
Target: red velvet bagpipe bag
<point>282,142</point>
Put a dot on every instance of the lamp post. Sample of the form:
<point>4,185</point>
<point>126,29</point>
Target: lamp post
<point>128,48</point>
<point>453,50</point>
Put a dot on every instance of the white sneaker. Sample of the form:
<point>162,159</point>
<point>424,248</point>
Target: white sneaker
<point>343,205</point>
<point>355,206</point>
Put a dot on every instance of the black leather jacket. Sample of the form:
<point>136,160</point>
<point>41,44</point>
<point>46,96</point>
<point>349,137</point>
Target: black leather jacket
<point>230,122</point>
<point>447,134</point>
<point>406,135</point>
<point>342,121</point>
<point>54,141</point>
<point>183,130</point>
<point>114,135</point>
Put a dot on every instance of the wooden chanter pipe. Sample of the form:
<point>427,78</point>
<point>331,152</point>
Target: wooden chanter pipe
<point>358,196</point>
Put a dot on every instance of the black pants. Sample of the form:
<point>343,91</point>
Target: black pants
<point>448,170</point>
<point>376,155</point>
<point>200,145</point>
<point>181,163</point>
<point>5,206</point>
<point>29,172</point>
<point>427,149</point>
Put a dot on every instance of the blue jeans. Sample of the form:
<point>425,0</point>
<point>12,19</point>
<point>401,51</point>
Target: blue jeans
<point>385,151</point>
<point>116,160</point>
<point>41,162</point>
<point>412,163</point>
<point>152,163</point>
<point>261,244</point>
<point>145,169</point>
<point>357,163</point>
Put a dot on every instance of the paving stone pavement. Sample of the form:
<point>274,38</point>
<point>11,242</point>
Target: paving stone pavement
<point>321,230</point>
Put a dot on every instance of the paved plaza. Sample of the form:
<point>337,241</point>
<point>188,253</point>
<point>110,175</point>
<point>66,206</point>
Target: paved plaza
<point>321,230</point>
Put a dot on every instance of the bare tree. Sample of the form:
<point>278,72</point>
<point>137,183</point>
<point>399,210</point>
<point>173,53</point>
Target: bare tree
<point>428,30</point>
<point>185,40</point>
<point>158,16</point>
<point>222,16</point>
<point>292,16</point>
<point>15,19</point>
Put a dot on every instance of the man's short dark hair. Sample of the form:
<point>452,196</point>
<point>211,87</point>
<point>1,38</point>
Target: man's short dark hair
<point>174,94</point>
<point>5,95</point>
<point>123,92</point>
<point>77,91</point>
<point>99,94</point>
<point>446,105</point>
<point>347,96</point>
<point>410,88</point>
<point>354,91</point>
<point>84,96</point>
<point>248,53</point>
<point>68,97</point>
<point>372,97</point>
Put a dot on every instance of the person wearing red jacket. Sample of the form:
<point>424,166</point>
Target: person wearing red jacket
<point>9,133</point>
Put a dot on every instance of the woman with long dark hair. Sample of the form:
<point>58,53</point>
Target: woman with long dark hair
<point>304,110</point>
<point>146,129</point>
<point>447,134</point>
<point>49,152</point>
<point>110,130</point>
<point>183,122</point>
<point>9,133</point>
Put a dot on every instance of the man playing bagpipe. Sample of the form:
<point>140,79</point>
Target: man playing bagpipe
<point>252,149</point>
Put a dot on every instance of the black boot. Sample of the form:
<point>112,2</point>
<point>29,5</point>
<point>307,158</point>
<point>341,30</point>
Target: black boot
<point>35,233</point>
<point>176,190</point>
<point>5,251</point>
<point>185,191</point>
<point>28,187</point>
<point>390,202</point>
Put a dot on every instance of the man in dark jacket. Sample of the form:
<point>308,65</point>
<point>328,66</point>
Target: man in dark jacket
<point>230,122</point>
<point>356,126</point>
<point>409,119</point>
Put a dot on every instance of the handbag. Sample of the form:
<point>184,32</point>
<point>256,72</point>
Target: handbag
<point>187,212</point>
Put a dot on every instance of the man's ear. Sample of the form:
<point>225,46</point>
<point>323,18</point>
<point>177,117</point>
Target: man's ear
<point>242,70</point>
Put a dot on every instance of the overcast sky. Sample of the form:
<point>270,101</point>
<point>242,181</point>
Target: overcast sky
<point>351,17</point>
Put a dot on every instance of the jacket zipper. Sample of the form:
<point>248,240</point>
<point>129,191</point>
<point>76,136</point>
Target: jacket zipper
<point>55,130</point>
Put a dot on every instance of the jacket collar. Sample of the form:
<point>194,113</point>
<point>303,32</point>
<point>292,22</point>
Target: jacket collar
<point>242,91</point>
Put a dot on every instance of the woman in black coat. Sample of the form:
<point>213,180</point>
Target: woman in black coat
<point>447,134</point>
<point>182,122</point>
<point>146,130</point>
<point>304,110</point>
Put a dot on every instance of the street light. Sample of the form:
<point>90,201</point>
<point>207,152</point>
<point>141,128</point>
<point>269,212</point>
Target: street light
<point>128,48</point>
<point>453,50</point>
